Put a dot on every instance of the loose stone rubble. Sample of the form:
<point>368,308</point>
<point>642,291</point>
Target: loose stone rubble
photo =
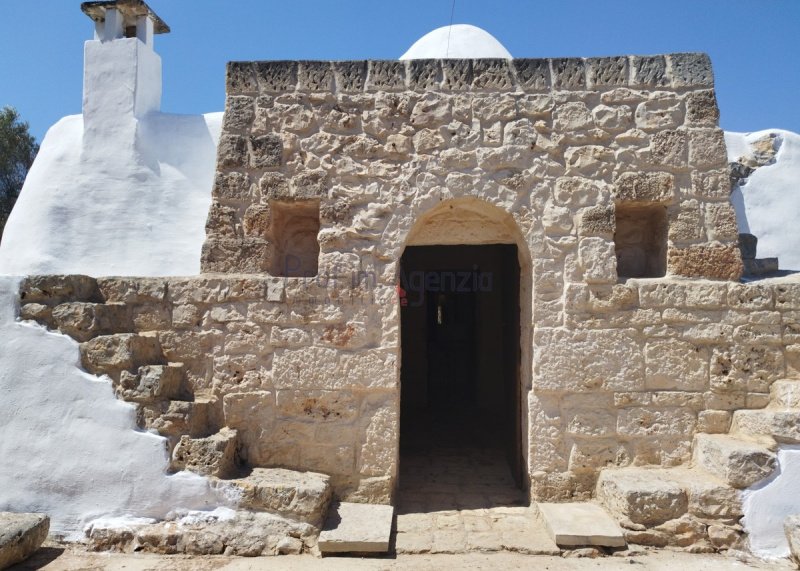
<point>640,350</point>
<point>21,535</point>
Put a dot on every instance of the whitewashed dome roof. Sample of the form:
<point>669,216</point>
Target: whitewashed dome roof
<point>465,42</point>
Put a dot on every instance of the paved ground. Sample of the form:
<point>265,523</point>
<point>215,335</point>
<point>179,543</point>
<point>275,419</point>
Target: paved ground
<point>58,559</point>
<point>458,508</point>
<point>457,493</point>
<point>454,501</point>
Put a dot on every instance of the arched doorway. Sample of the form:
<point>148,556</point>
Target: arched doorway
<point>465,275</point>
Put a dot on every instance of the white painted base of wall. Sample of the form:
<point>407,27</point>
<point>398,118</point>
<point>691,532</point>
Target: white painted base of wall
<point>768,503</point>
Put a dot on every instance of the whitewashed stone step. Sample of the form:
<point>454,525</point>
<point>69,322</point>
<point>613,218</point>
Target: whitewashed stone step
<point>20,536</point>
<point>357,528</point>
<point>581,524</point>
<point>785,394</point>
<point>739,463</point>
<point>782,425</point>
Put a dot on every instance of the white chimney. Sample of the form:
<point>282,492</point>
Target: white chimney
<point>122,72</point>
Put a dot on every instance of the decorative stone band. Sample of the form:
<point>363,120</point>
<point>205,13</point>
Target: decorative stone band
<point>682,70</point>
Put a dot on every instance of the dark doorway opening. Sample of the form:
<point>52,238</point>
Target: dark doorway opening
<point>460,385</point>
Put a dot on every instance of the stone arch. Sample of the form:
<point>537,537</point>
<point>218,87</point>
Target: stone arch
<point>473,221</point>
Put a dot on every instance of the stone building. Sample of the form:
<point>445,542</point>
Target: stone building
<point>537,255</point>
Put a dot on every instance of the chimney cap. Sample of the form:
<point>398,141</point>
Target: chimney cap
<point>129,8</point>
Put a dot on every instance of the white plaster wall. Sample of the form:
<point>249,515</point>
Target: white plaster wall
<point>68,446</point>
<point>768,203</point>
<point>768,503</point>
<point>129,196</point>
<point>134,205</point>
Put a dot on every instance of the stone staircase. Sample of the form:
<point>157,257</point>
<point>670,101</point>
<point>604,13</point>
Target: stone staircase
<point>278,511</point>
<point>699,507</point>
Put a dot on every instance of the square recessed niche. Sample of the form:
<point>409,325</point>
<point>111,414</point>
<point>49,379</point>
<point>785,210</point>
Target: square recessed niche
<point>640,241</point>
<point>295,229</point>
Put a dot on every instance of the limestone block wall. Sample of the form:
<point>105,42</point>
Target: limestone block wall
<point>597,169</point>
<point>634,370</point>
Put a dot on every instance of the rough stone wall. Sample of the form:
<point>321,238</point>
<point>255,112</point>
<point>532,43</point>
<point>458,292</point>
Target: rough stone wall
<point>627,378</point>
<point>636,369</point>
<point>541,153</point>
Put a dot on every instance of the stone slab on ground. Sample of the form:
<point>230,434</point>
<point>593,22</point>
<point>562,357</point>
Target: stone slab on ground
<point>20,536</point>
<point>580,524</point>
<point>357,528</point>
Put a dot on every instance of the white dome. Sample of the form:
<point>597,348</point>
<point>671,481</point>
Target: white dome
<point>465,42</point>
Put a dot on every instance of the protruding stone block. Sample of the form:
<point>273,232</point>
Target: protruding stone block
<point>302,496</point>
<point>740,463</point>
<point>53,290</point>
<point>357,528</point>
<point>82,321</point>
<point>581,524</point>
<point>21,534</point>
<point>643,496</point>
<point>691,70</point>
<point>152,382</point>
<point>211,456</point>
<point>782,425</point>
<point>706,261</point>
<point>111,354</point>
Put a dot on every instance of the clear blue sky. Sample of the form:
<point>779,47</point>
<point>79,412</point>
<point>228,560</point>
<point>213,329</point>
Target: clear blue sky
<point>754,44</point>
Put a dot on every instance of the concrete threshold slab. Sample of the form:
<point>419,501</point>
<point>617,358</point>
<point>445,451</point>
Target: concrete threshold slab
<point>357,528</point>
<point>581,524</point>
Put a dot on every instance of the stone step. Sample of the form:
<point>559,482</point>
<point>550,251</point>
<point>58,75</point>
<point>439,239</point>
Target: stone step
<point>52,290</point>
<point>300,496</point>
<point>213,455</point>
<point>785,394</point>
<point>642,496</point>
<point>739,463</point>
<point>152,383</point>
<point>782,425</point>
<point>112,354</point>
<point>176,418</point>
<point>222,531</point>
<point>581,524</point>
<point>357,528</point>
<point>80,320</point>
<point>21,535</point>
<point>671,506</point>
